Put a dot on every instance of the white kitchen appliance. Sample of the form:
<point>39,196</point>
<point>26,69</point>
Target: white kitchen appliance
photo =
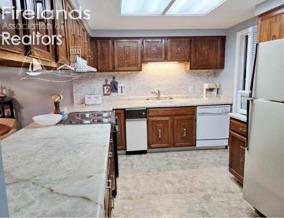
<point>136,131</point>
<point>212,126</point>
<point>3,197</point>
<point>93,99</point>
<point>264,159</point>
<point>242,101</point>
<point>210,90</point>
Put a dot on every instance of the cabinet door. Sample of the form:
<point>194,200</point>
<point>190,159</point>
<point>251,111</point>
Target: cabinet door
<point>178,49</point>
<point>71,35</point>
<point>154,50</point>
<point>93,53</point>
<point>84,42</point>
<point>6,23</point>
<point>160,132</point>
<point>42,27</point>
<point>271,25</point>
<point>237,145</point>
<point>120,117</point>
<point>61,29</point>
<point>127,55</point>
<point>207,52</point>
<point>184,131</point>
<point>105,55</point>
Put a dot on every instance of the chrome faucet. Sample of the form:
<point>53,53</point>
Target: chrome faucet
<point>157,93</point>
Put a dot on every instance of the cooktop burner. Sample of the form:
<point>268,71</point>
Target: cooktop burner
<point>93,117</point>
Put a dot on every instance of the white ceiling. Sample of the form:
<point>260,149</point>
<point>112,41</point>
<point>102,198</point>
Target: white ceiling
<point>105,15</point>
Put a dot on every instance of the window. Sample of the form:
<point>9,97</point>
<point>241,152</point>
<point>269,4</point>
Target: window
<point>246,48</point>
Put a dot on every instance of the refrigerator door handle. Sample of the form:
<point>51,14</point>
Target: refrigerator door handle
<point>248,122</point>
<point>251,98</point>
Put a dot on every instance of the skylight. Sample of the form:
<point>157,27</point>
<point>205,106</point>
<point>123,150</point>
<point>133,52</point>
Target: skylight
<point>168,7</point>
<point>143,7</point>
<point>193,7</point>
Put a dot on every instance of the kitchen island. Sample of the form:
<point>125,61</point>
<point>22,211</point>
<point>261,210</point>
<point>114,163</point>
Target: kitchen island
<point>57,171</point>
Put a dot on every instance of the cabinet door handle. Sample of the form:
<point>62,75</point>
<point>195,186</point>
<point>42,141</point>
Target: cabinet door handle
<point>242,130</point>
<point>160,133</point>
<point>184,132</point>
<point>108,184</point>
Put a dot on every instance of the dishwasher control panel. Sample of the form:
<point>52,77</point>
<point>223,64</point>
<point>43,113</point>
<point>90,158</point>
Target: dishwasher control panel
<point>136,114</point>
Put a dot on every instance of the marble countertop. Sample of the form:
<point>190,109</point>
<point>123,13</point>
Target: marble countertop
<point>238,116</point>
<point>129,103</point>
<point>57,171</point>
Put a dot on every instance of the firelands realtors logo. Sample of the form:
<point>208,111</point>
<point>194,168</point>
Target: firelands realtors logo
<point>35,35</point>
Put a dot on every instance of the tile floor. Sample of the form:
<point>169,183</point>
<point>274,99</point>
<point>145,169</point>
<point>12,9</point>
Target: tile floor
<point>179,184</point>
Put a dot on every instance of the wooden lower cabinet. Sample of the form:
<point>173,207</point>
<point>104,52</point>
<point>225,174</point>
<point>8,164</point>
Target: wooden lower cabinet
<point>171,127</point>
<point>160,132</point>
<point>184,131</point>
<point>110,183</point>
<point>237,146</point>
<point>121,136</point>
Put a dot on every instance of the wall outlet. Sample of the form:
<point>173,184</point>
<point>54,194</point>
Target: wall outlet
<point>121,89</point>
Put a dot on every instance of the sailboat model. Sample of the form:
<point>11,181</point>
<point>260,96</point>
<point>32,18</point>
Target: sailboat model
<point>35,68</point>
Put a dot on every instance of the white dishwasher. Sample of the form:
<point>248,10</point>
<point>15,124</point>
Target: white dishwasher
<point>136,131</point>
<point>213,126</point>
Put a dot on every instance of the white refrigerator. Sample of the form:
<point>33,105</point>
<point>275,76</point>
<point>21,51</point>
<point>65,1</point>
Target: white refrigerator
<point>3,197</point>
<point>264,161</point>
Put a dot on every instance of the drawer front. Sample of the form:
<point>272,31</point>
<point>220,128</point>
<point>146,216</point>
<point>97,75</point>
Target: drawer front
<point>171,111</point>
<point>238,127</point>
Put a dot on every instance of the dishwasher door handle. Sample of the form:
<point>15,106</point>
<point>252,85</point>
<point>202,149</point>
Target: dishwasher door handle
<point>212,114</point>
<point>138,119</point>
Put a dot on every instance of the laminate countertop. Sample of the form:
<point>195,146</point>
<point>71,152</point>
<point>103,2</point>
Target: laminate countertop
<point>57,171</point>
<point>238,116</point>
<point>130,103</point>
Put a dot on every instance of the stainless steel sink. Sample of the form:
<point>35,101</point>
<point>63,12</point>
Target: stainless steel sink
<point>159,99</point>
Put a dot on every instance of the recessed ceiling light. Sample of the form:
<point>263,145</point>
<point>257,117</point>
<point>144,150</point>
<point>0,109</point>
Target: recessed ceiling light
<point>193,7</point>
<point>143,7</point>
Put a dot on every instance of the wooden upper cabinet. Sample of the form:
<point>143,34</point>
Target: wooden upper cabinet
<point>127,54</point>
<point>271,25</point>
<point>105,55</point>
<point>61,29</point>
<point>207,52</point>
<point>154,50</point>
<point>71,31</point>
<point>184,131</point>
<point>84,42</point>
<point>8,21</point>
<point>178,49</point>
<point>93,53</point>
<point>43,27</point>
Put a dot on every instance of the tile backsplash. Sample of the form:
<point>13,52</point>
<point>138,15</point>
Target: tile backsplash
<point>171,78</point>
